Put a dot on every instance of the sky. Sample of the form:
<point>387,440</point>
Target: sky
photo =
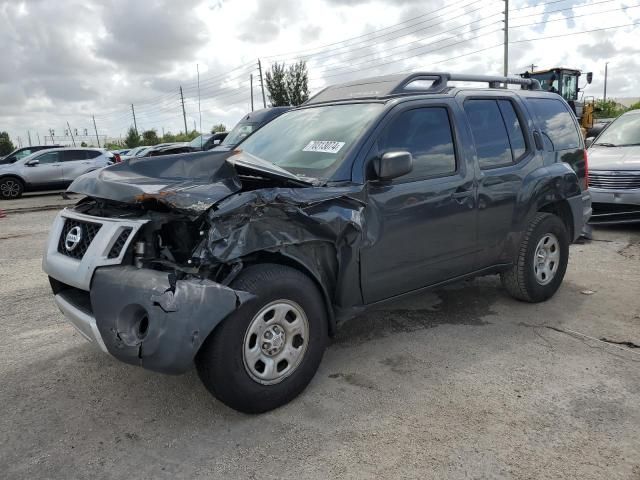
<point>69,61</point>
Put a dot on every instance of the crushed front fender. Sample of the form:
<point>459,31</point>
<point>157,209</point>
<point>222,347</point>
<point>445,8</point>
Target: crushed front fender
<point>149,318</point>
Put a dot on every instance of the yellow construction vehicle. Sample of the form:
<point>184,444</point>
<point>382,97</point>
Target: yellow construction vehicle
<point>564,82</point>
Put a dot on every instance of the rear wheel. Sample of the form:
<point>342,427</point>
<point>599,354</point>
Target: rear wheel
<point>267,351</point>
<point>10,188</point>
<point>542,260</point>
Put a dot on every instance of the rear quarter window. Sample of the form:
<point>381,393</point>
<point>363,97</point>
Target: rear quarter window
<point>557,122</point>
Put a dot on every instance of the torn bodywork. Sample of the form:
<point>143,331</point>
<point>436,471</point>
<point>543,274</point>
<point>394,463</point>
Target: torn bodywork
<point>204,221</point>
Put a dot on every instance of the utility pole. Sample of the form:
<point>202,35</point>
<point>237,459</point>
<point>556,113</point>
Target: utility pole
<point>606,71</point>
<point>38,134</point>
<point>184,115</point>
<point>19,143</point>
<point>135,125</point>
<point>199,111</point>
<point>264,100</point>
<point>533,67</point>
<point>251,83</point>
<point>29,137</point>
<point>71,133</point>
<point>96,129</point>
<point>506,37</point>
<point>194,126</point>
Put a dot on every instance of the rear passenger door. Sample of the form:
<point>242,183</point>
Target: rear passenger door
<point>425,221</point>
<point>503,147</point>
<point>75,163</point>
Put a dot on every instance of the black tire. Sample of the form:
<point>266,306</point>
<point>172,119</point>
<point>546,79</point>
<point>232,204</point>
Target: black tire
<point>220,363</point>
<point>11,188</point>
<point>520,281</point>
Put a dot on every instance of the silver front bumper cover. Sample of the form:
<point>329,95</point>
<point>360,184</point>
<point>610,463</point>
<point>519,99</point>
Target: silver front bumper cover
<point>84,323</point>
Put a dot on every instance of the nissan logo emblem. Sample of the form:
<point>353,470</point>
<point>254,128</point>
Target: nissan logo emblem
<point>73,238</point>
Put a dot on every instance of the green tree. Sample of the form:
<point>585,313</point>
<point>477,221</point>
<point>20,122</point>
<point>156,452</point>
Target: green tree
<point>297,83</point>
<point>6,146</point>
<point>133,139</point>
<point>608,109</point>
<point>168,137</point>
<point>150,137</point>
<point>277,85</point>
<point>84,144</point>
<point>219,128</point>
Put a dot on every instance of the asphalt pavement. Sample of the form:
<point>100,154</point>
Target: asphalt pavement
<point>464,382</point>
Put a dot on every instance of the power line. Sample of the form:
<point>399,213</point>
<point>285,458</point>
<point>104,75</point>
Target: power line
<point>574,33</point>
<point>574,16</point>
<point>365,34</point>
<point>331,52</point>
<point>562,9</point>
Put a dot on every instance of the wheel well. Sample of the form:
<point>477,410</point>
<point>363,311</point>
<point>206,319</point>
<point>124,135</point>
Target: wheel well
<point>11,175</point>
<point>278,258</point>
<point>562,210</point>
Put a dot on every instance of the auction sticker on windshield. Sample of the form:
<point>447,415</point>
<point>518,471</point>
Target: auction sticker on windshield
<point>324,146</point>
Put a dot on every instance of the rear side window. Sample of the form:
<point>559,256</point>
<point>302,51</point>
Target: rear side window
<point>557,122</point>
<point>92,154</point>
<point>497,132</point>
<point>73,155</point>
<point>426,134</point>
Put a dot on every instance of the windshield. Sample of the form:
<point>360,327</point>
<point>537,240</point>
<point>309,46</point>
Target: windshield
<point>200,140</point>
<point>239,133</point>
<point>623,131</point>
<point>312,142</point>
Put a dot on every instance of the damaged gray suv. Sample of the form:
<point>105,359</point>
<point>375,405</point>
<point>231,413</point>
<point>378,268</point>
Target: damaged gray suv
<point>244,262</point>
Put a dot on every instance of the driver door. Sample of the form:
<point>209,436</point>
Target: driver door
<point>426,220</point>
<point>47,172</point>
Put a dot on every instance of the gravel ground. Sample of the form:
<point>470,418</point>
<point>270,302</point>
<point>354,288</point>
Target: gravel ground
<point>459,383</point>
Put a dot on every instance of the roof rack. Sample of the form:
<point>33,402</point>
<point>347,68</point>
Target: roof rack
<point>411,84</point>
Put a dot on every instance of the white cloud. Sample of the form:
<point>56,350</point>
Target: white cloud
<point>65,61</point>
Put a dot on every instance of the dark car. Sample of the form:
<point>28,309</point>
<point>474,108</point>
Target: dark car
<point>245,263</point>
<point>249,124</point>
<point>19,153</point>
<point>207,141</point>
<point>171,149</point>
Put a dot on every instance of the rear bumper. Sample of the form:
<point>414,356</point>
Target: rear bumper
<point>581,212</point>
<point>612,207</point>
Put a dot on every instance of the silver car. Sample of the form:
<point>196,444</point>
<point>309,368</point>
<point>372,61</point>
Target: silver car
<point>50,169</point>
<point>614,171</point>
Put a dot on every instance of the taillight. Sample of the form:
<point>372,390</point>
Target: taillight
<point>586,169</point>
<point>118,159</point>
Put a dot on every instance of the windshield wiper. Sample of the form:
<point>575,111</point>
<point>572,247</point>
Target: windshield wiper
<point>628,145</point>
<point>605,144</point>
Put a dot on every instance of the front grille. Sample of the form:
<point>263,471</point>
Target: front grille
<point>614,181</point>
<point>120,242</point>
<point>88,231</point>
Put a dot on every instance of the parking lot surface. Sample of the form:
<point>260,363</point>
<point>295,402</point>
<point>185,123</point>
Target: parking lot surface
<point>463,382</point>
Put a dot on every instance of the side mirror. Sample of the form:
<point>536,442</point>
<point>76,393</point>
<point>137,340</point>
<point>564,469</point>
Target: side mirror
<point>589,77</point>
<point>589,141</point>
<point>32,163</point>
<point>393,165</point>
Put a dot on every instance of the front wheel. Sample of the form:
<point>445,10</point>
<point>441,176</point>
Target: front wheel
<point>266,352</point>
<point>11,188</point>
<point>541,262</point>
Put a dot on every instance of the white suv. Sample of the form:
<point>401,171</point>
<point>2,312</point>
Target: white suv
<point>50,169</point>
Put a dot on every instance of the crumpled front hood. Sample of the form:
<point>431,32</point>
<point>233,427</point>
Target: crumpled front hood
<point>614,158</point>
<point>191,182</point>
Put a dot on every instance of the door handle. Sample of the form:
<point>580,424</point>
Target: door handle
<point>86,163</point>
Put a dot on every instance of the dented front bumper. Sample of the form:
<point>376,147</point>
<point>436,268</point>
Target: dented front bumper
<point>140,316</point>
